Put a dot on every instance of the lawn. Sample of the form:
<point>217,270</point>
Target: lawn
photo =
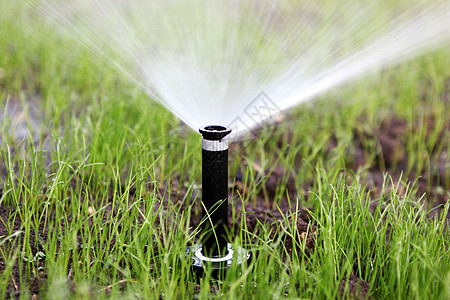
<point>346,196</point>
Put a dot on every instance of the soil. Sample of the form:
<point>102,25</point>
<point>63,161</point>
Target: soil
<point>391,159</point>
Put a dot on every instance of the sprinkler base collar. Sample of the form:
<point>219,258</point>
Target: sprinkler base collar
<point>218,264</point>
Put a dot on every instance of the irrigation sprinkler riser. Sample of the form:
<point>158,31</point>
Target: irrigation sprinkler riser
<point>215,196</point>
<point>215,189</point>
<point>215,249</point>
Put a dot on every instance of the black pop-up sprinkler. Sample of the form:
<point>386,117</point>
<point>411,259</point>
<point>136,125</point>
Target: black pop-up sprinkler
<point>215,250</point>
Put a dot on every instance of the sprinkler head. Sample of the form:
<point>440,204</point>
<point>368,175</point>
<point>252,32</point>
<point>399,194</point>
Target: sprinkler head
<point>215,250</point>
<point>214,132</point>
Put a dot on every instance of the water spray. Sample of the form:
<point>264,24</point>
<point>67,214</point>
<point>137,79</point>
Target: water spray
<point>215,249</point>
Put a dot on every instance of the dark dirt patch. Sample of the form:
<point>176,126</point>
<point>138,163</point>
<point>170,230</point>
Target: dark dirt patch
<point>358,288</point>
<point>393,159</point>
<point>33,258</point>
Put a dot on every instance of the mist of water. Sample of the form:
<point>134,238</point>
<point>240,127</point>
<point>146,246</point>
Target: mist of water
<point>222,62</point>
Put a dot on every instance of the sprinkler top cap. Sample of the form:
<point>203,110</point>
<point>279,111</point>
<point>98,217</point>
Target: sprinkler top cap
<point>214,132</point>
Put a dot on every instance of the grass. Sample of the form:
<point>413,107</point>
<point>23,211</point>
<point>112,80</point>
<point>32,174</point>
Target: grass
<point>87,193</point>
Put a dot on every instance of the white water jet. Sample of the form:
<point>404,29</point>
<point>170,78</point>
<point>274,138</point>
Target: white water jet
<point>226,61</point>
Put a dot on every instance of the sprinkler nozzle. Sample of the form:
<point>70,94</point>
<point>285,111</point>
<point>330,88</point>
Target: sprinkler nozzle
<point>214,132</point>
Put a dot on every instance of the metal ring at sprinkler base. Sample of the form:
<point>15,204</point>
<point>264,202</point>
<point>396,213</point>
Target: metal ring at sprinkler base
<point>200,262</point>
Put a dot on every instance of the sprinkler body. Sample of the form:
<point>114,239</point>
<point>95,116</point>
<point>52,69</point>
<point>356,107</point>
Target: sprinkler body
<point>215,190</point>
<point>215,251</point>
